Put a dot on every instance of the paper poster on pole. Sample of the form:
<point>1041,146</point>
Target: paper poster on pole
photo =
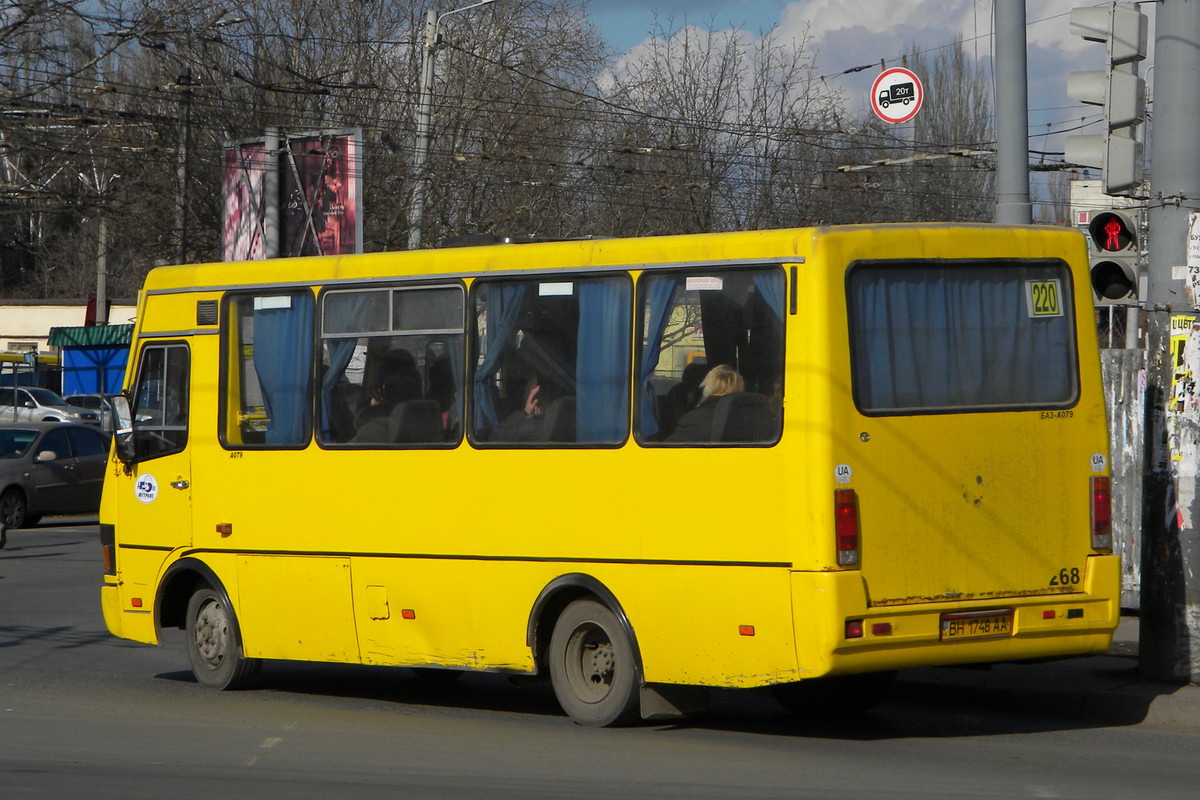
<point>1192,279</point>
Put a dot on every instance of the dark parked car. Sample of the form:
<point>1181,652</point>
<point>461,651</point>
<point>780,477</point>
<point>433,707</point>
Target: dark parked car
<point>49,468</point>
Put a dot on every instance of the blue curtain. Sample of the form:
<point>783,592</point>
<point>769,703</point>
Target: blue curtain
<point>503,311</point>
<point>354,306</point>
<point>770,289</point>
<point>928,338</point>
<point>283,355</point>
<point>340,353</point>
<point>659,299</point>
<point>601,368</point>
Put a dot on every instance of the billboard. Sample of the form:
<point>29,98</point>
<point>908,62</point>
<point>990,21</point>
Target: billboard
<point>299,199</point>
<point>322,193</point>
<point>245,189</point>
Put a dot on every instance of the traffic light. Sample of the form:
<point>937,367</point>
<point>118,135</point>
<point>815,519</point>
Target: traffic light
<point>1114,244</point>
<point>1123,29</point>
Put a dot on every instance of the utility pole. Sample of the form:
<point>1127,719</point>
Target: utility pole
<point>181,165</point>
<point>1012,116</point>
<point>1170,595</point>
<point>101,317</point>
<point>416,212</point>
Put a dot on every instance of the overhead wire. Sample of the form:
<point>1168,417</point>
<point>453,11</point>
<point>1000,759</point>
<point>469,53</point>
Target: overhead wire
<point>864,136</point>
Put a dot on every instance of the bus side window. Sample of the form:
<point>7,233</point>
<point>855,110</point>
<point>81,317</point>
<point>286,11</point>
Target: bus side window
<point>551,361</point>
<point>710,369</point>
<point>269,364</point>
<point>391,364</point>
<point>161,401</point>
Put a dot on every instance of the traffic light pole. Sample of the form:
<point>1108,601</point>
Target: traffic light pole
<point>1170,591</point>
<point>1012,116</point>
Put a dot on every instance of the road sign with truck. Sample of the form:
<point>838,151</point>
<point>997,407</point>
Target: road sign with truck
<point>897,95</point>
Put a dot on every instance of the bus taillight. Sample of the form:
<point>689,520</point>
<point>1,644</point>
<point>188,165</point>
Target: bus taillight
<point>1101,513</point>
<point>108,548</point>
<point>845,514</point>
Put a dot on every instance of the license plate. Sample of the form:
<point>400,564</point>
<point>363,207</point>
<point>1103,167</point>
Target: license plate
<point>977,624</point>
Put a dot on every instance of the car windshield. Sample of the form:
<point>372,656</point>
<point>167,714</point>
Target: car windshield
<point>85,400</point>
<point>15,441</point>
<point>45,397</point>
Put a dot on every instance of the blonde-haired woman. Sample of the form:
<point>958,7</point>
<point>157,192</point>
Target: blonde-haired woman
<point>697,425</point>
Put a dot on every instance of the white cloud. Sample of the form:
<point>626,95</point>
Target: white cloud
<point>928,22</point>
<point>850,33</point>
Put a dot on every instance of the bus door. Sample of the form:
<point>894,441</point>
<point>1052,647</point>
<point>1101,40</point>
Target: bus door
<point>155,511</point>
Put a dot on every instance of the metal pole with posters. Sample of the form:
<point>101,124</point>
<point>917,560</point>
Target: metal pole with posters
<point>1170,594</point>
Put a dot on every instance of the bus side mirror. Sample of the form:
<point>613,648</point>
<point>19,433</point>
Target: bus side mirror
<point>122,427</point>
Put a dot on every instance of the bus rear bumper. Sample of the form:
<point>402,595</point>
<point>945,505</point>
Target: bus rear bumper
<point>857,637</point>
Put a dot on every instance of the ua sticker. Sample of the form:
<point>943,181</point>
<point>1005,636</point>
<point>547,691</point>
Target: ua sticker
<point>146,488</point>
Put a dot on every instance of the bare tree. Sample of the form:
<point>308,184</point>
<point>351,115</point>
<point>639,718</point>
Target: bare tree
<point>923,180</point>
<point>117,110</point>
<point>717,133</point>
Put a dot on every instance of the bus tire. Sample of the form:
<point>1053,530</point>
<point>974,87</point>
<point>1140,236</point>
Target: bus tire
<point>214,646</point>
<point>834,694</point>
<point>592,666</point>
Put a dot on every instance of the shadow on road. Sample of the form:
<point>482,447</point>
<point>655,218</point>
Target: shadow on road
<point>60,637</point>
<point>905,713</point>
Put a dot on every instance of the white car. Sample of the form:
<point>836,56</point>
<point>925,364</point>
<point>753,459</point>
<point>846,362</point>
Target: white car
<point>31,404</point>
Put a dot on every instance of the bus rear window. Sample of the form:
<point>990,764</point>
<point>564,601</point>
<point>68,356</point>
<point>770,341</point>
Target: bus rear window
<point>960,336</point>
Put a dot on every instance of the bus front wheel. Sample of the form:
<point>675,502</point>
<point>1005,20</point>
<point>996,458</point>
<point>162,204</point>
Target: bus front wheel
<point>592,666</point>
<point>212,641</point>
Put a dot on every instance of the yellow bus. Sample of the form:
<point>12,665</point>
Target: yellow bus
<point>893,453</point>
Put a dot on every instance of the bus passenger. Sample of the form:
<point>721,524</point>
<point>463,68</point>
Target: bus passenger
<point>442,389</point>
<point>697,425</point>
<point>683,396</point>
<point>526,425</point>
<point>371,422</point>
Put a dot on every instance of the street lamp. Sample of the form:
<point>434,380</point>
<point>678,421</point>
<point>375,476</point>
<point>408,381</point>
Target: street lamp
<point>416,213</point>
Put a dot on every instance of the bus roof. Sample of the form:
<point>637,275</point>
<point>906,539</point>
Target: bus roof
<point>775,245</point>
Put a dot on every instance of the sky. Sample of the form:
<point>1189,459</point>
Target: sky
<point>850,33</point>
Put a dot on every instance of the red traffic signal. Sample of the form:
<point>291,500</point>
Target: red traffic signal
<point>1114,255</point>
<point>1112,232</point>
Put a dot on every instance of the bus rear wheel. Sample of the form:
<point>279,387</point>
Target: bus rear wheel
<point>592,666</point>
<point>212,642</point>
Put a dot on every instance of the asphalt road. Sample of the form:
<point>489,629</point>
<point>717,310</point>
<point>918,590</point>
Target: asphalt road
<point>84,715</point>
